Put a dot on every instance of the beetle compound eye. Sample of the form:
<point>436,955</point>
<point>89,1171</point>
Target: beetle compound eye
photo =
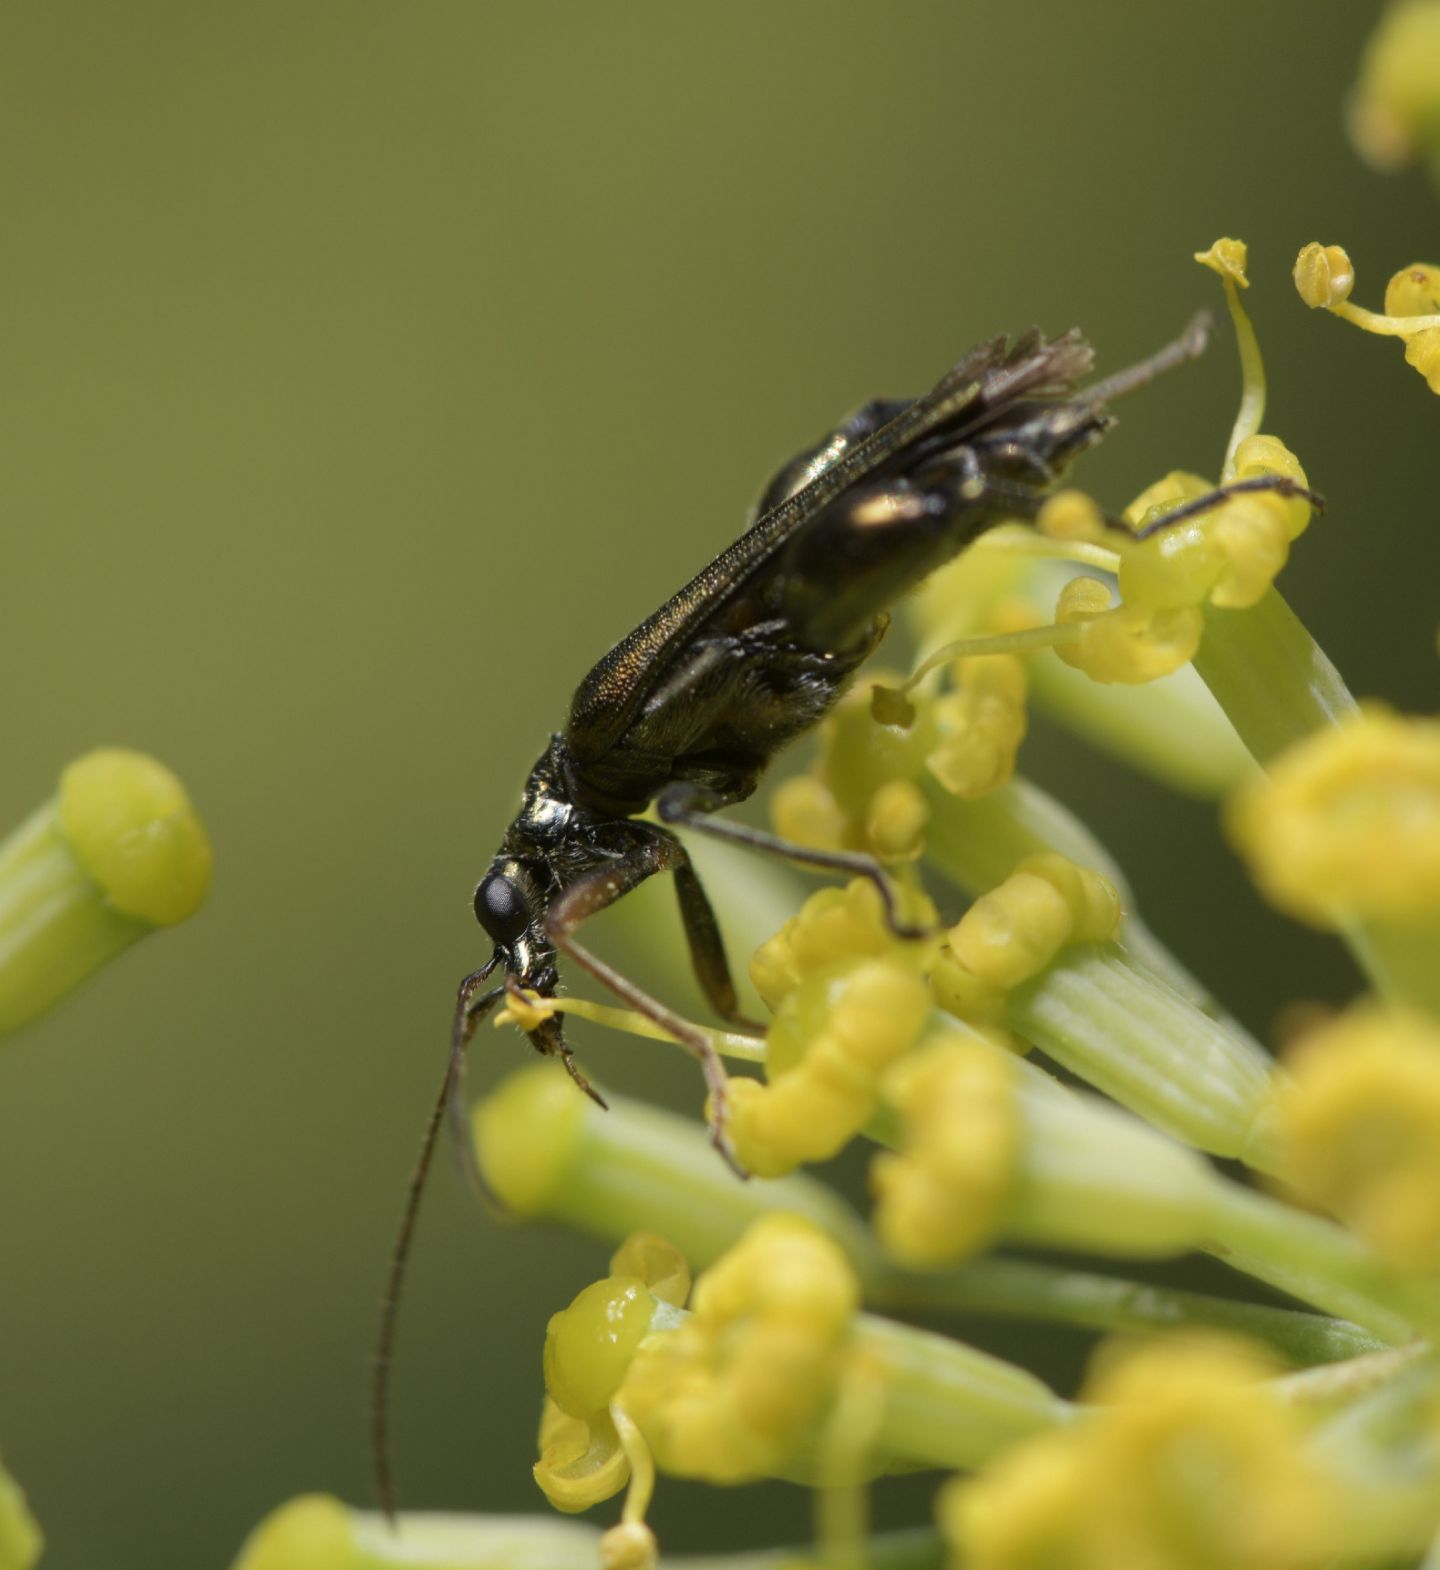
<point>500,908</point>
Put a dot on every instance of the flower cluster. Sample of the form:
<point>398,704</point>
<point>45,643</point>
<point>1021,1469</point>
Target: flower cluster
<point>1212,1433</point>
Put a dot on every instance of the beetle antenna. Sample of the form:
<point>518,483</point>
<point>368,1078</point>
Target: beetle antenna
<point>1190,345</point>
<point>469,1011</point>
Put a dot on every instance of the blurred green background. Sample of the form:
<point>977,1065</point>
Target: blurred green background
<point>366,370</point>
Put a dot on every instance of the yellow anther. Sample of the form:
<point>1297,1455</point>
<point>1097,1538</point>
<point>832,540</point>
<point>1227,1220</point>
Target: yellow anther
<point>1359,1125</point>
<point>1252,535</point>
<point>1228,258</point>
<point>835,928</point>
<point>1324,275</point>
<point>1071,515</point>
<point>895,820</point>
<point>1129,643</point>
<point>944,1194</point>
<point>803,809</point>
<point>526,1010</point>
<point>1262,455</point>
<point>1009,935</point>
<point>1346,826</point>
<point>830,1041</point>
<point>732,1392</point>
<point>982,724</point>
<point>1414,291</point>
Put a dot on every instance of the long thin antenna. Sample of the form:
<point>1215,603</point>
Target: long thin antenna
<point>1190,345</point>
<point>469,1011</point>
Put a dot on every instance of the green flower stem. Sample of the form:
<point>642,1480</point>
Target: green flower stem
<point>55,925</point>
<point>553,1155</point>
<point>1401,960</point>
<point>1022,1289</point>
<point>947,1404</point>
<point>637,1167</point>
<point>1317,1262</point>
<point>1128,1033</point>
<point>320,1533</point>
<point>977,844</point>
<point>1270,676</point>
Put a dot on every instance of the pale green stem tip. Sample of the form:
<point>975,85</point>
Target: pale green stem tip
<point>21,1540</point>
<point>117,852</point>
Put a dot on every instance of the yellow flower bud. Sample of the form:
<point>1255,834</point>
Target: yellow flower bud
<point>1070,515</point>
<point>1324,275</point>
<point>983,723</point>
<point>588,1346</point>
<point>732,1392</point>
<point>1395,111</point>
<point>944,1196</point>
<point>1011,934</point>
<point>830,1041</point>
<point>1359,1125</point>
<point>835,927</point>
<point>1129,643</point>
<point>1186,1461</point>
<point>1414,291</point>
<point>803,810</point>
<point>895,820</point>
<point>1252,534</point>
<point>1346,826</point>
<point>1261,455</point>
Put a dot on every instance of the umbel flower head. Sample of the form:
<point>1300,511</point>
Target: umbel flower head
<point>1034,1069</point>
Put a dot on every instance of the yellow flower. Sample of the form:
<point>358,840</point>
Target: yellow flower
<point>589,1347</point>
<point>733,1392</point>
<point>1324,275</point>
<point>835,928</point>
<point>1185,1463</point>
<point>1360,1129</point>
<point>945,1196</point>
<point>1010,934</point>
<point>1346,827</point>
<point>830,1041</point>
<point>982,723</point>
<point>1395,109</point>
<point>1324,278</point>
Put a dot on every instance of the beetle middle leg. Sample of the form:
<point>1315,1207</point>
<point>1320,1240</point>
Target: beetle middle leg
<point>602,886</point>
<point>692,806</point>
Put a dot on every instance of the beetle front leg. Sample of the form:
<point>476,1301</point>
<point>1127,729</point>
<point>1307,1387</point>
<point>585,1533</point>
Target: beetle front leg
<point>590,894</point>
